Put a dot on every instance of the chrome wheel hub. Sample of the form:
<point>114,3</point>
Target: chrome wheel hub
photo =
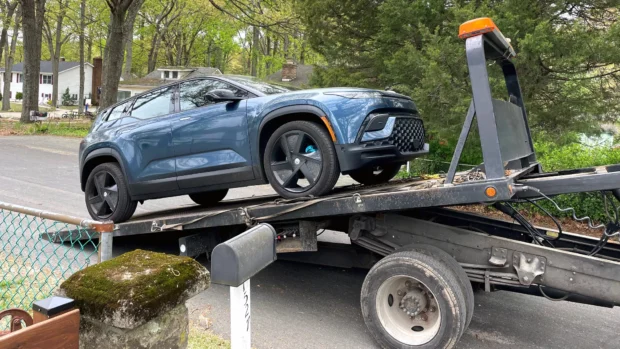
<point>408,310</point>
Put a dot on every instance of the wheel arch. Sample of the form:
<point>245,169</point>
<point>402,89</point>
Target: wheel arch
<point>98,157</point>
<point>281,116</point>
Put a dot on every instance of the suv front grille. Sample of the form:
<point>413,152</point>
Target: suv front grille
<point>407,136</point>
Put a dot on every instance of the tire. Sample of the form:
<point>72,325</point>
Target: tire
<point>209,198</point>
<point>375,174</point>
<point>309,158</point>
<point>385,292</point>
<point>107,196</point>
<point>459,272</point>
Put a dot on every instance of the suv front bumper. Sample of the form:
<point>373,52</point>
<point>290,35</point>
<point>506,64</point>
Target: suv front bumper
<point>404,141</point>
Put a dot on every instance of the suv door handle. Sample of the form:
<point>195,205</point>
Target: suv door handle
<point>186,118</point>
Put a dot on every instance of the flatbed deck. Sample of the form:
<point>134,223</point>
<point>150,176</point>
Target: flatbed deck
<point>350,200</point>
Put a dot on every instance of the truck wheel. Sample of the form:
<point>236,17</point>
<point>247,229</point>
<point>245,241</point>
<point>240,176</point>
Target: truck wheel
<point>412,300</point>
<point>107,196</point>
<point>459,272</point>
<point>376,174</point>
<point>209,198</point>
<point>300,160</point>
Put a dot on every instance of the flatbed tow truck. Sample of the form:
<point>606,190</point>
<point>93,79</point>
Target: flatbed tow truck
<point>424,256</point>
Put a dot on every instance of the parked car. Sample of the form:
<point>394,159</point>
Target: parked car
<point>204,136</point>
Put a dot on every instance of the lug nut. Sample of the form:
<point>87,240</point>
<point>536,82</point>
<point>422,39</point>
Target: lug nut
<point>432,309</point>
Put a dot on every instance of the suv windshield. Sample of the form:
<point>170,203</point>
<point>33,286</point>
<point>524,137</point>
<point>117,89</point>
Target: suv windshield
<point>268,89</point>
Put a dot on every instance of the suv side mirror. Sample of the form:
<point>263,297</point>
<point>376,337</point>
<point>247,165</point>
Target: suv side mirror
<point>222,95</point>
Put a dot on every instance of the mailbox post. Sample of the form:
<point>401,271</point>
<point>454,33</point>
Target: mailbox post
<point>233,263</point>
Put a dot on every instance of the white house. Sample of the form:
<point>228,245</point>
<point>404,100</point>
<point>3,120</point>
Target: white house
<point>160,76</point>
<point>68,77</point>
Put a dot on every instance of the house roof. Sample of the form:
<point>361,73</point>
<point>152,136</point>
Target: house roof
<point>154,78</point>
<point>46,66</point>
<point>304,73</point>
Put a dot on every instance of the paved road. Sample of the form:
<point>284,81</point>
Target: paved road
<point>302,306</point>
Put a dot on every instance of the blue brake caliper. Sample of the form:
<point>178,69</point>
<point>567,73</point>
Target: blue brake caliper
<point>310,149</point>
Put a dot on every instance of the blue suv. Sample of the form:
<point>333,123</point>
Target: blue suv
<point>204,136</point>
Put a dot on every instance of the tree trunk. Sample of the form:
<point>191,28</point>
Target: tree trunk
<point>9,9</point>
<point>10,53</point>
<point>59,42</point>
<point>255,44</point>
<point>120,29</point>
<point>82,63</point>
<point>128,34</point>
<point>152,61</point>
<point>33,14</point>
<point>208,61</point>
<point>128,60</point>
<point>89,50</point>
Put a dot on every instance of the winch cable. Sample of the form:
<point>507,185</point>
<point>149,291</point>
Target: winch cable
<point>611,229</point>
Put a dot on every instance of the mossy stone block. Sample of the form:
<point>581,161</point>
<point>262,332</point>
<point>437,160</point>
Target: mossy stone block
<point>131,289</point>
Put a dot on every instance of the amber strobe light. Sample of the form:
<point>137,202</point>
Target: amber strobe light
<point>475,27</point>
<point>486,26</point>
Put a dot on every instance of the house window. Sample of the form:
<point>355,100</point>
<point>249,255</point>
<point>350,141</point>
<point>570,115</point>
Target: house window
<point>18,77</point>
<point>175,74</point>
<point>47,79</point>
<point>122,95</point>
<point>166,75</point>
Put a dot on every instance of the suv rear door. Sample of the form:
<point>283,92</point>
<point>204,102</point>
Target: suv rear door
<point>210,139</point>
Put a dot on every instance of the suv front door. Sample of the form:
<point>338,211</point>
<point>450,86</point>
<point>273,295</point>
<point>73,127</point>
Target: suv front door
<point>147,138</point>
<point>210,139</point>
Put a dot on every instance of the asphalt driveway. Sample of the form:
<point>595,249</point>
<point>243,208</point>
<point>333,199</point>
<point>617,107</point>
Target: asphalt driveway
<point>297,305</point>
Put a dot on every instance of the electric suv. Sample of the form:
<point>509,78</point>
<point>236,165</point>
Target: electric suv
<point>203,136</point>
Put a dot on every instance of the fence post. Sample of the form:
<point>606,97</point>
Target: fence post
<point>106,238</point>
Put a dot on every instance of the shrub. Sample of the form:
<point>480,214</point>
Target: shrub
<point>557,154</point>
<point>19,96</point>
<point>66,98</point>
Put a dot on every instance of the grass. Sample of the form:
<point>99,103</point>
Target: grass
<point>17,107</point>
<point>55,128</point>
<point>199,339</point>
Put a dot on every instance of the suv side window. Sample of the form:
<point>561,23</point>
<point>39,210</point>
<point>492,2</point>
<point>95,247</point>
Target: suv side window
<point>117,112</point>
<point>153,104</point>
<point>193,93</point>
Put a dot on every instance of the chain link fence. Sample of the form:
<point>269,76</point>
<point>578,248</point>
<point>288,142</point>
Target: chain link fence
<point>39,250</point>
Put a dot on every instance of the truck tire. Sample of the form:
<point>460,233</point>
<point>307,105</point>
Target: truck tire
<point>413,300</point>
<point>459,272</point>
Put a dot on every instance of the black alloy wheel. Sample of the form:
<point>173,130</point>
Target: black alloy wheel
<point>103,200</point>
<point>296,157</point>
<point>300,160</point>
<point>106,194</point>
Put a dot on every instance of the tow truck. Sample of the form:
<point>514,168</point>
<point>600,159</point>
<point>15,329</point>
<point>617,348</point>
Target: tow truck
<point>422,255</point>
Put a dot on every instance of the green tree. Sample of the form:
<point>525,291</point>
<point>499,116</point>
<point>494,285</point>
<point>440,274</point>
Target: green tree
<point>66,98</point>
<point>568,55</point>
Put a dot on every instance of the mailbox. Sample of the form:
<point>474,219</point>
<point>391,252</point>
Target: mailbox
<point>238,259</point>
